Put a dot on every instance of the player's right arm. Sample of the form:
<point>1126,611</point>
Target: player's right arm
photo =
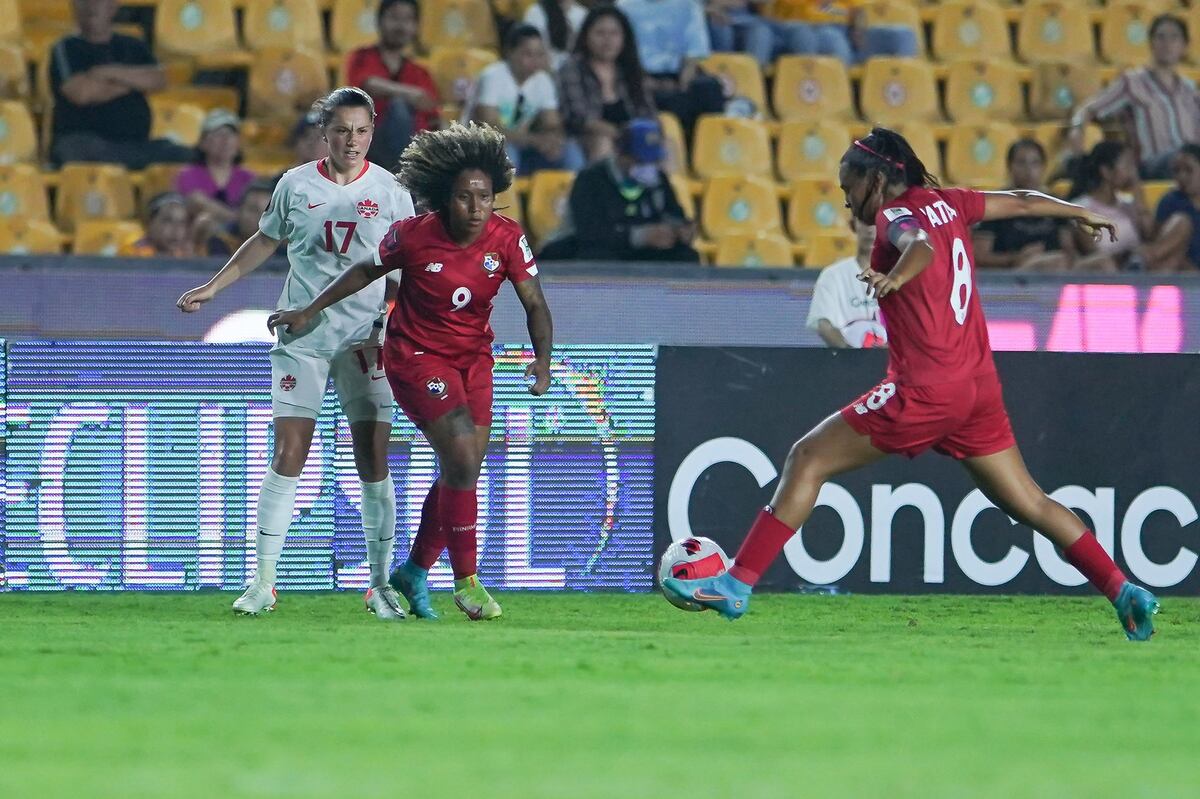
<point>250,256</point>
<point>352,281</point>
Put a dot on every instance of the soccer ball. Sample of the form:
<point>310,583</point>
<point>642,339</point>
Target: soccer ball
<point>691,559</point>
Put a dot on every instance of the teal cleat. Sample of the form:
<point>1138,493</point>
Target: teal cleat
<point>723,593</point>
<point>1135,610</point>
<point>409,579</point>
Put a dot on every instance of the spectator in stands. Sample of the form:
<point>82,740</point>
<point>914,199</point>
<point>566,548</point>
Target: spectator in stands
<point>1159,108</point>
<point>559,22</point>
<point>623,208</point>
<point>518,96</point>
<point>100,80</point>
<point>215,184</point>
<point>166,229</point>
<point>601,86</point>
<point>736,26</point>
<point>214,238</point>
<point>406,98</point>
<point>307,139</point>
<point>672,37</point>
<point>1103,178</point>
<point>842,313</point>
<point>1184,200</point>
<point>1037,243</point>
<point>838,28</point>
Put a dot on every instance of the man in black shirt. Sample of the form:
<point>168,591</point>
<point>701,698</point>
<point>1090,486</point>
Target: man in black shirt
<point>100,80</point>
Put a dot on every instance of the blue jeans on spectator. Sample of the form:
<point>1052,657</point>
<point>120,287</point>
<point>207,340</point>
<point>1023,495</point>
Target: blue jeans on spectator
<point>746,33</point>
<point>834,40</point>
<point>528,160</point>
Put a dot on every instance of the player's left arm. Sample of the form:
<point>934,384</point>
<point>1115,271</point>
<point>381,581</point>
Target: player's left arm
<point>541,332</point>
<point>1025,203</point>
<point>916,254</point>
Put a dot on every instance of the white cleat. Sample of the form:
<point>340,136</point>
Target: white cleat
<point>258,598</point>
<point>384,603</point>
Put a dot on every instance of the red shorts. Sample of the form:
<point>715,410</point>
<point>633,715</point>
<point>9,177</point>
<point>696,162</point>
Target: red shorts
<point>427,386</point>
<point>966,419</point>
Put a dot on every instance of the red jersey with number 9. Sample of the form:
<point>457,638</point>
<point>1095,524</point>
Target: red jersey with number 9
<point>935,325</point>
<point>446,290</point>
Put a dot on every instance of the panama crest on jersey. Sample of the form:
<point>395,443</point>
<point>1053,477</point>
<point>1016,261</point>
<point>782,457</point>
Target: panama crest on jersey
<point>491,262</point>
<point>368,208</point>
<point>436,386</point>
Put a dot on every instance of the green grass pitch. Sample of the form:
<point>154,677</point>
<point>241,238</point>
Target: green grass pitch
<point>605,696</point>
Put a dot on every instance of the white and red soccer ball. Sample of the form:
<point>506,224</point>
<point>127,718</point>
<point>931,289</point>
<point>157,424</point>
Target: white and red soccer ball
<point>691,559</point>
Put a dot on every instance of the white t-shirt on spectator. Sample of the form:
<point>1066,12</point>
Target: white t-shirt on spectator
<point>841,297</point>
<point>515,103</point>
<point>536,16</point>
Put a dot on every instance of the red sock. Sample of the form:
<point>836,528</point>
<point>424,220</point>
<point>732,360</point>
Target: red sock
<point>1093,562</point>
<point>431,537</point>
<point>457,511</point>
<point>763,544</point>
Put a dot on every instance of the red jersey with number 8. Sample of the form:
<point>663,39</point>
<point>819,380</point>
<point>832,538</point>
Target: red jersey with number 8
<point>935,325</point>
<point>446,290</point>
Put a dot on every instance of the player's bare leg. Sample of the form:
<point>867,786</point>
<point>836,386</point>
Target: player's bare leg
<point>370,441</point>
<point>1005,481</point>
<point>831,448</point>
<point>276,498</point>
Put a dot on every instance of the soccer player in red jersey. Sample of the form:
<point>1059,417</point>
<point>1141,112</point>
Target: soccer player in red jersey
<point>437,355</point>
<point>941,390</point>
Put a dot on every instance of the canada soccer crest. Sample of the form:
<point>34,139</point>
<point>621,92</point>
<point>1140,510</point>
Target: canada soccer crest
<point>491,262</point>
<point>287,382</point>
<point>436,386</point>
<point>368,209</point>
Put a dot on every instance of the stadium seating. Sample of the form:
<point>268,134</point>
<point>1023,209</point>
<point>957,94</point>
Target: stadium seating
<point>1056,88</point>
<point>92,191</point>
<point>762,249</point>
<point>677,152</point>
<point>729,146</point>
<point>549,191</point>
<point>508,203</point>
<point>455,69</point>
<point>283,83</point>
<point>1154,191</point>
<point>179,122</point>
<point>1125,31</point>
<point>154,180</point>
<point>924,144</point>
<point>352,24</point>
<point>29,237</point>
<point>898,90</point>
<point>979,91</point>
<point>811,87</point>
<point>14,72</point>
<point>1048,30</point>
<point>458,23</point>
<point>810,149</point>
<point>105,237</point>
<point>824,249</point>
<point>739,205</point>
<point>896,13</point>
<point>195,28</point>
<point>205,97</point>
<point>816,206</point>
<point>18,138</point>
<point>283,23</point>
<point>741,77</point>
<point>22,193</point>
<point>970,29</point>
<point>975,154</point>
<point>683,195</point>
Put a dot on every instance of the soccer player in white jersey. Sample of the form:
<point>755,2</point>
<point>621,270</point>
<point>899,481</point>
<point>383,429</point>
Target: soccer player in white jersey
<point>332,213</point>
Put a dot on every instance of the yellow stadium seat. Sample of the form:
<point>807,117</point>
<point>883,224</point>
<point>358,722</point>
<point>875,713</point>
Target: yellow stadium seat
<point>896,13</point>
<point>741,77</point>
<point>730,146</point>
<point>11,29</point>
<point>154,180</point>
<point>810,149</point>
<point>179,122</point>
<point>762,249</point>
<point>455,69</point>
<point>29,237</point>
<point>14,71</point>
<point>284,83</point>
<point>1056,88</point>
<point>897,90</point>
<point>18,139</point>
<point>458,23</point>
<point>970,29</point>
<point>677,154</point>
<point>190,28</point>
<point>22,192</point>
<point>508,203</point>
<point>824,249</point>
<point>811,87</point>
<point>975,155</point>
<point>1049,30</point>
<point>549,193</point>
<point>739,205</point>
<point>52,10</point>
<point>352,24</point>
<point>984,90</point>
<point>1053,137</point>
<point>92,191</point>
<point>1154,190</point>
<point>1125,31</point>
<point>207,98</point>
<point>683,194</point>
<point>816,206</point>
<point>282,23</point>
<point>105,237</point>
<point>921,138</point>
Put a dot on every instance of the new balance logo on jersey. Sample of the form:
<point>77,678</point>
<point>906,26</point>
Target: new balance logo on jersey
<point>367,209</point>
<point>287,382</point>
<point>435,267</point>
<point>491,262</point>
<point>940,213</point>
<point>436,386</point>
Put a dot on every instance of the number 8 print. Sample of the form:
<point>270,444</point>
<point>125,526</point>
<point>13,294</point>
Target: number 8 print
<point>960,292</point>
<point>461,298</point>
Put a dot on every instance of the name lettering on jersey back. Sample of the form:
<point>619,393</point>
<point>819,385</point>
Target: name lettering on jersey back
<point>940,213</point>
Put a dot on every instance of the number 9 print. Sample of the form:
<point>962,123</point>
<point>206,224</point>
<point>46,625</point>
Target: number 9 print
<point>461,298</point>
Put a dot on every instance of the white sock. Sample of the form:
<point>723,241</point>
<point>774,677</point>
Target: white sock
<point>276,499</point>
<point>379,526</point>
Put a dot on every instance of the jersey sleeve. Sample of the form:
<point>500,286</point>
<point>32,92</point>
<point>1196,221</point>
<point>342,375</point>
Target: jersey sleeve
<point>273,222</point>
<point>520,258</point>
<point>390,254</point>
<point>892,223</point>
<point>970,204</point>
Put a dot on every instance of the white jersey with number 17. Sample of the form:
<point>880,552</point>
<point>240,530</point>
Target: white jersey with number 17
<point>329,228</point>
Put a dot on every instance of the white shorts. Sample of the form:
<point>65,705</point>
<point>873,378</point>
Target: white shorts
<point>299,378</point>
